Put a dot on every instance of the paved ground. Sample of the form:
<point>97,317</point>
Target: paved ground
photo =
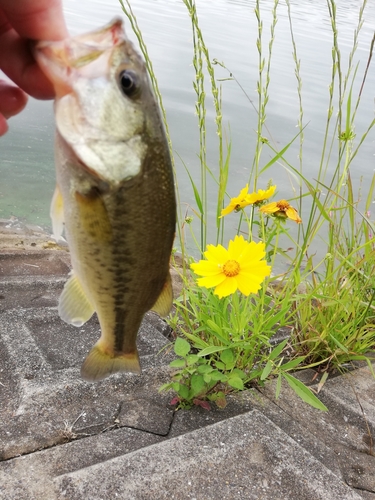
<point>63,438</point>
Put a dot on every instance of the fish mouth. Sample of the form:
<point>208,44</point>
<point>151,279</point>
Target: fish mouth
<point>64,61</point>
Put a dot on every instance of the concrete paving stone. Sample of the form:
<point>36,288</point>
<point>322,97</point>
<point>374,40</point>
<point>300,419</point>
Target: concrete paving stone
<point>33,263</point>
<point>243,457</point>
<point>338,438</point>
<point>31,476</point>
<point>46,390</point>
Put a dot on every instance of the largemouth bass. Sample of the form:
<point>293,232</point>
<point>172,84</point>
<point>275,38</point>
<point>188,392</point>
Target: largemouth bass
<point>114,191</point>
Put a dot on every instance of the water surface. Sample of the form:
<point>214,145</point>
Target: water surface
<point>230,30</point>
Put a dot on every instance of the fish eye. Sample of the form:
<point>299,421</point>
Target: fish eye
<point>129,83</point>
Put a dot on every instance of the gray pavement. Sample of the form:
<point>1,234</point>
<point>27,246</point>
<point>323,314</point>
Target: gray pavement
<point>64,438</point>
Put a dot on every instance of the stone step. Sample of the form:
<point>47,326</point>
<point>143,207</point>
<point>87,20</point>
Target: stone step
<point>246,456</point>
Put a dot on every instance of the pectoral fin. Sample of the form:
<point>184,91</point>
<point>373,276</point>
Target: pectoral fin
<point>57,213</point>
<point>163,305</point>
<point>74,307</point>
<point>94,216</point>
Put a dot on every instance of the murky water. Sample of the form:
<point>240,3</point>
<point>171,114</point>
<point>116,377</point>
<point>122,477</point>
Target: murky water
<point>230,30</point>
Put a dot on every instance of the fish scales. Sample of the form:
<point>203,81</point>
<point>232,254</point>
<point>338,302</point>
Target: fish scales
<point>119,218</point>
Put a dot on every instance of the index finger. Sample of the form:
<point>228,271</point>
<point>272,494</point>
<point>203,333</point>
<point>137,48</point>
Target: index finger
<point>37,20</point>
<point>21,21</point>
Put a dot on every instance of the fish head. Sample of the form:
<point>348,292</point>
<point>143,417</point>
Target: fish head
<point>105,109</point>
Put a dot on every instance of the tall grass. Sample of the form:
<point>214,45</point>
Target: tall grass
<point>327,302</point>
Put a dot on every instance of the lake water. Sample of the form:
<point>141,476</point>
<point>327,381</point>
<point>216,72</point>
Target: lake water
<point>230,31</point>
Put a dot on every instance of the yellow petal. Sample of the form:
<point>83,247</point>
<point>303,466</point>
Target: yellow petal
<point>253,252</point>
<point>293,214</point>
<point>205,268</point>
<point>218,254</point>
<point>211,281</point>
<point>227,287</point>
<point>227,210</point>
<point>261,195</point>
<point>270,208</point>
<point>248,285</point>
<point>237,247</point>
<point>256,269</point>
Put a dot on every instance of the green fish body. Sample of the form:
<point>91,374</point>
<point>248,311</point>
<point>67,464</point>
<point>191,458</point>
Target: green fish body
<point>114,192</point>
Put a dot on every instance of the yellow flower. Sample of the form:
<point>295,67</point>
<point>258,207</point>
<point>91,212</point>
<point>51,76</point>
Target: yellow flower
<point>261,195</point>
<point>237,203</point>
<point>240,267</point>
<point>281,209</point>
<point>244,199</point>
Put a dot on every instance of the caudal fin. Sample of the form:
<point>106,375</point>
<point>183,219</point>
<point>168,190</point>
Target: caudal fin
<point>99,364</point>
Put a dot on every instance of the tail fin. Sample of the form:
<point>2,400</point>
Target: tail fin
<point>99,364</point>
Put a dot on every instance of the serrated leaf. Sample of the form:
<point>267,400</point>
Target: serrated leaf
<point>239,373</point>
<point>197,385</point>
<point>304,392</point>
<point>207,378</point>
<point>204,404</point>
<point>221,402</point>
<point>204,368</point>
<point>236,383</point>
<point>219,365</point>
<point>177,363</point>
<point>227,357</point>
<point>181,347</point>
<point>183,391</point>
<point>192,359</point>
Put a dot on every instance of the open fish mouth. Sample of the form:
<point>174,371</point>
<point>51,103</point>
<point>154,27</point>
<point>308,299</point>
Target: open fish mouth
<point>80,56</point>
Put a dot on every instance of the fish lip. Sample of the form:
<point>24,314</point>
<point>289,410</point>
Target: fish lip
<point>61,60</point>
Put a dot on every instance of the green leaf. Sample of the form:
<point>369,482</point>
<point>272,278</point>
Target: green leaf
<point>278,349</point>
<point>293,363</point>
<point>219,365</point>
<point>227,357</point>
<point>236,383</point>
<point>216,328</point>
<point>266,370</point>
<point>204,368</point>
<point>216,375</point>
<point>181,347</point>
<point>183,391</point>
<point>197,385</point>
<point>177,363</point>
<point>239,373</point>
<point>339,345</point>
<point>211,349</point>
<point>304,392</point>
<point>196,192</point>
<point>192,359</point>
<point>207,378</point>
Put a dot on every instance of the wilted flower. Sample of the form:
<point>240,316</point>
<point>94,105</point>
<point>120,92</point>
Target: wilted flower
<point>244,199</point>
<point>240,267</point>
<point>281,209</point>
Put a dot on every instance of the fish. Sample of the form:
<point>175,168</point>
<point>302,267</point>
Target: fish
<point>114,196</point>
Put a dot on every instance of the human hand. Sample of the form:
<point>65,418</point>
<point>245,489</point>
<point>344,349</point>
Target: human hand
<point>20,22</point>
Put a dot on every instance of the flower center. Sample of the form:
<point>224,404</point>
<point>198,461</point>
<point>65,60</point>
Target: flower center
<point>283,205</point>
<point>231,268</point>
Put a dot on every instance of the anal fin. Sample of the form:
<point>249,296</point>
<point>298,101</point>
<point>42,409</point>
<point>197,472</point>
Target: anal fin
<point>164,303</point>
<point>74,307</point>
